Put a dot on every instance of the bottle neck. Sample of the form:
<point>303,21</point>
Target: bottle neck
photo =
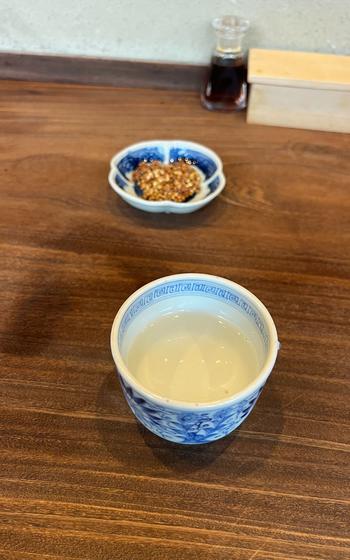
<point>229,47</point>
<point>230,31</point>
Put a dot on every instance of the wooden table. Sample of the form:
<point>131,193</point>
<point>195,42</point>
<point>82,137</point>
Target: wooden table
<point>80,479</point>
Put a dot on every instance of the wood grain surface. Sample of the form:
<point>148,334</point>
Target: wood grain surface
<point>80,479</point>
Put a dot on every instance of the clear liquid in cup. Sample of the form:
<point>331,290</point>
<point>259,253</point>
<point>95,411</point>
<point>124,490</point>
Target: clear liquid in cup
<point>193,356</point>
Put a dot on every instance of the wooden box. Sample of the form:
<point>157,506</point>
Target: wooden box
<point>299,90</point>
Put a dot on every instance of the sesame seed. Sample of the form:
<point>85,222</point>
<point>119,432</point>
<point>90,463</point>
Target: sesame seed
<point>176,181</point>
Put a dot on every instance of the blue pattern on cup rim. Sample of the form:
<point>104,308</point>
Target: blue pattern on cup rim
<point>192,288</point>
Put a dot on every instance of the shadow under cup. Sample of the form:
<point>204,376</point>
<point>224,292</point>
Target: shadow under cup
<point>183,421</point>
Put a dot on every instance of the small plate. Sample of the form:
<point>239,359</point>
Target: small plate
<point>207,163</point>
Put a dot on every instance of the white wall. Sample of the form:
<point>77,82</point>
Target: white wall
<point>169,31</point>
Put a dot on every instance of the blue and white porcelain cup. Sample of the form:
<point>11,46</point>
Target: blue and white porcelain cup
<point>187,421</point>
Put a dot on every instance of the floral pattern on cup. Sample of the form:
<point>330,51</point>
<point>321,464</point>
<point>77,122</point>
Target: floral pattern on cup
<point>188,427</point>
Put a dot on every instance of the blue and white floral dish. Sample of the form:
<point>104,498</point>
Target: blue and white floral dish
<point>187,422</point>
<point>207,163</point>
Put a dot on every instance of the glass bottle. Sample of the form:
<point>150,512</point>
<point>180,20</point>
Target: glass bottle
<point>226,85</point>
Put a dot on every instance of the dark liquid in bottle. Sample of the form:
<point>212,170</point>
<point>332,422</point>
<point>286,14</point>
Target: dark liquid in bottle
<point>226,86</point>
